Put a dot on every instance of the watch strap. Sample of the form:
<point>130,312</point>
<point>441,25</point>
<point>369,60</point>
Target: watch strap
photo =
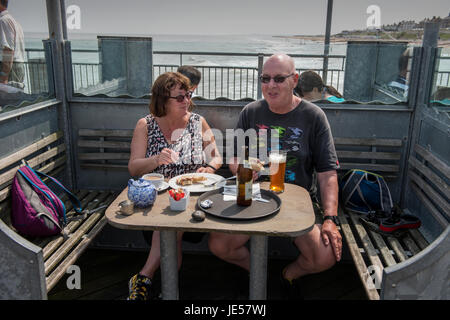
<point>335,219</point>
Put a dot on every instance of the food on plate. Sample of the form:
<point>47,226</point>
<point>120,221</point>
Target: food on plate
<point>188,180</point>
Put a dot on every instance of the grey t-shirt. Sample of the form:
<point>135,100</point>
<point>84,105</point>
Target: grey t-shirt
<point>304,132</point>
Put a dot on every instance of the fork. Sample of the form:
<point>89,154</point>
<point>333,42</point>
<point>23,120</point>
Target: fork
<point>216,182</point>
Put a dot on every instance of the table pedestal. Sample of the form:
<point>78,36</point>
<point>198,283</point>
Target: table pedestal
<point>258,268</point>
<point>169,265</point>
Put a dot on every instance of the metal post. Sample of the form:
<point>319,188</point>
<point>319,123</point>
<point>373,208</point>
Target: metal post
<point>423,83</point>
<point>169,265</point>
<point>326,49</point>
<point>258,267</point>
<point>260,66</point>
<point>56,30</point>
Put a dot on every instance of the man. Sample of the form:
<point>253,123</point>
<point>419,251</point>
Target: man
<point>192,73</point>
<point>12,69</point>
<point>303,129</point>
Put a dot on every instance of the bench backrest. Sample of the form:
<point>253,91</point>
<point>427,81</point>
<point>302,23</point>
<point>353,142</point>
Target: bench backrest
<point>104,149</point>
<point>111,149</point>
<point>428,177</point>
<point>47,155</point>
<point>377,155</point>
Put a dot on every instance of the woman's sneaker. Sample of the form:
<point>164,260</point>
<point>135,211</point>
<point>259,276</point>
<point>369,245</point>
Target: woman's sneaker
<point>139,287</point>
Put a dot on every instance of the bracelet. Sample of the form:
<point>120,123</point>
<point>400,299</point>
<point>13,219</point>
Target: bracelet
<point>208,165</point>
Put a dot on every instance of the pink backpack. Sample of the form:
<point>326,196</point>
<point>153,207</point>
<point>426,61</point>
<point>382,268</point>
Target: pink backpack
<point>36,209</point>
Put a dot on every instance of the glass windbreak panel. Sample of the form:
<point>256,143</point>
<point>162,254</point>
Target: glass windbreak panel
<point>377,72</point>
<point>229,63</point>
<point>25,75</point>
<point>112,66</point>
<point>440,92</point>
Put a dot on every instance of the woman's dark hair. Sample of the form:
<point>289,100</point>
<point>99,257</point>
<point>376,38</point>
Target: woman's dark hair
<point>308,80</point>
<point>4,3</point>
<point>161,91</point>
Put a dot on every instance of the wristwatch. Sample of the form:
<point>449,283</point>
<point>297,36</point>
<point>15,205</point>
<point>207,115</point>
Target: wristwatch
<point>335,219</point>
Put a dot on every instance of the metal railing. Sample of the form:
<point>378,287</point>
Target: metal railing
<point>232,82</point>
<point>240,82</point>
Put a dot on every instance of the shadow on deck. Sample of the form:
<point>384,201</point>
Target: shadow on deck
<point>105,275</point>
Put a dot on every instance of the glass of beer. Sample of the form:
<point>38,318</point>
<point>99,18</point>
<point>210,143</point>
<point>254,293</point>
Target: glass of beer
<point>277,168</point>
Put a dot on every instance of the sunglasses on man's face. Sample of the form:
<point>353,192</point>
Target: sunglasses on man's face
<point>180,98</point>
<point>276,79</point>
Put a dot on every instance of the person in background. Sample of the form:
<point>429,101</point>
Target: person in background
<point>400,84</point>
<point>192,74</point>
<point>171,140</point>
<point>306,134</point>
<point>12,69</point>
<point>311,87</point>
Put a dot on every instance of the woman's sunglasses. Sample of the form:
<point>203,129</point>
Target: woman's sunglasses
<point>277,79</point>
<point>180,98</point>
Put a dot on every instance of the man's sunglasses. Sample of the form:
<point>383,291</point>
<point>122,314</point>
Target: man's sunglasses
<point>277,79</point>
<point>180,98</point>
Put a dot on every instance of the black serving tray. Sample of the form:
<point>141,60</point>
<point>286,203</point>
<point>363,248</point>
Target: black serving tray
<point>230,210</point>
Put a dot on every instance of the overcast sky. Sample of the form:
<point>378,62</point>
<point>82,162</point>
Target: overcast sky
<point>281,17</point>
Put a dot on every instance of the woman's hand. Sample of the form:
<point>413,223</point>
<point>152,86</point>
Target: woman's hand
<point>167,156</point>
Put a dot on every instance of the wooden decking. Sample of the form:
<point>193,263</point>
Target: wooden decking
<point>105,275</point>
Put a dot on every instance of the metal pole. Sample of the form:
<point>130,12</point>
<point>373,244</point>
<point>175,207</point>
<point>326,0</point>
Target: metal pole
<point>56,32</point>
<point>258,268</point>
<point>169,265</point>
<point>423,81</point>
<point>260,66</point>
<point>326,49</point>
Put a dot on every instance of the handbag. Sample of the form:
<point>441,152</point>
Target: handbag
<point>36,209</point>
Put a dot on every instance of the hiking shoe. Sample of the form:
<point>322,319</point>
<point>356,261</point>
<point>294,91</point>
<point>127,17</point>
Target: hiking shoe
<point>290,289</point>
<point>139,287</point>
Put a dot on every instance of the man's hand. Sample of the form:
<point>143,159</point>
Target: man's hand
<point>330,234</point>
<point>205,170</point>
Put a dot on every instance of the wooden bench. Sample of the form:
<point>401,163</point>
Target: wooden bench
<point>30,267</point>
<point>376,255</point>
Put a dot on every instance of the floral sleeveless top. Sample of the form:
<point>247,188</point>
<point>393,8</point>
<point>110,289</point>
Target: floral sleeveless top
<point>189,146</point>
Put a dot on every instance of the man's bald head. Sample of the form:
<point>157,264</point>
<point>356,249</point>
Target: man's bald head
<point>283,61</point>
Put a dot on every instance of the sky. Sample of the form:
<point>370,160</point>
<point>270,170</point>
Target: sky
<point>273,17</point>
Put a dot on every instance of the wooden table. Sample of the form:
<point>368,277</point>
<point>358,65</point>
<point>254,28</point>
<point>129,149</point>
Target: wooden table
<point>296,217</point>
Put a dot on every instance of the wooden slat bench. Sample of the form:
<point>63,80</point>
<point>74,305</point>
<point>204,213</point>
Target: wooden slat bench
<point>375,254</point>
<point>32,266</point>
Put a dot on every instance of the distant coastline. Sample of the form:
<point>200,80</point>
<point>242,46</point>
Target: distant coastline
<point>412,38</point>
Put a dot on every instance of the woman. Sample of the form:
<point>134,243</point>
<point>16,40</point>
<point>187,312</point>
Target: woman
<point>170,140</point>
<point>311,87</point>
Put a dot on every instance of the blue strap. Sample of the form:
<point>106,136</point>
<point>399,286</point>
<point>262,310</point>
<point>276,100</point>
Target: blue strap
<point>76,203</point>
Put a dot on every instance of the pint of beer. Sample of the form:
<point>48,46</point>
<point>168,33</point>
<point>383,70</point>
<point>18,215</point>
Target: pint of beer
<point>277,160</point>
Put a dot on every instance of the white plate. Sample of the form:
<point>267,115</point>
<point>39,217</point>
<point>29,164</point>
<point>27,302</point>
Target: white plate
<point>199,187</point>
<point>164,185</point>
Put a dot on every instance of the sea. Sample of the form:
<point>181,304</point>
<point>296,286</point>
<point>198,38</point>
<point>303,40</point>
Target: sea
<point>266,44</point>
